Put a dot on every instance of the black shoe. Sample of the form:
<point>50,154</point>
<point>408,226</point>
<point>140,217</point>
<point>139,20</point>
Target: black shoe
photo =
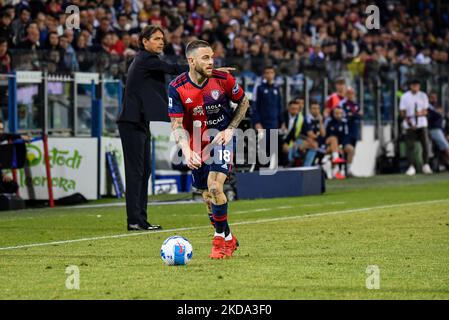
<point>147,227</point>
<point>153,226</point>
<point>138,227</point>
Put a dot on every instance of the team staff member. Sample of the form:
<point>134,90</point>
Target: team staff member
<point>267,109</point>
<point>414,107</point>
<point>145,100</point>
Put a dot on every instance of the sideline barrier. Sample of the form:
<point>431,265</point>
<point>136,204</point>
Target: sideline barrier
<point>294,182</point>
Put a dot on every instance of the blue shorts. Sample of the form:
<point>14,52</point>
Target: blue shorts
<point>221,160</point>
<point>438,137</point>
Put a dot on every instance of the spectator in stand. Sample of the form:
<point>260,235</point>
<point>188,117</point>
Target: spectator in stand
<point>316,36</point>
<point>84,57</point>
<point>123,24</point>
<point>103,29</point>
<point>117,46</point>
<point>5,27</point>
<point>413,106</point>
<point>108,5</point>
<point>5,59</point>
<point>5,67</point>
<point>52,52</point>
<point>338,141</point>
<point>353,115</point>
<point>175,47</point>
<point>52,42</point>
<point>19,25</point>
<point>41,25</point>
<point>53,6</point>
<point>335,98</point>
<point>435,117</point>
<point>31,42</point>
<point>68,61</point>
<point>156,18</point>
<point>10,10</point>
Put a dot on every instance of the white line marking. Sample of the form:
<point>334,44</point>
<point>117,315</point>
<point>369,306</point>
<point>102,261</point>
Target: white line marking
<point>289,207</point>
<point>313,215</point>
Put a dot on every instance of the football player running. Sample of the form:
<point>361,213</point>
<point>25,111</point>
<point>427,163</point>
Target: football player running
<point>199,103</point>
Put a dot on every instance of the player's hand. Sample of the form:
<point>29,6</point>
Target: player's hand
<point>285,148</point>
<point>223,137</point>
<point>6,179</point>
<point>193,159</point>
<point>226,69</point>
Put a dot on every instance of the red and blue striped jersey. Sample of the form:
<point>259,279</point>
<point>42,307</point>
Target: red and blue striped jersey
<point>208,105</point>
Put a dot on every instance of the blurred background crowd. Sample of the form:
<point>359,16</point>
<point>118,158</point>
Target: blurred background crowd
<point>295,35</point>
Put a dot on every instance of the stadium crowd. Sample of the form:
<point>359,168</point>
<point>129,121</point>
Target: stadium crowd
<point>305,32</point>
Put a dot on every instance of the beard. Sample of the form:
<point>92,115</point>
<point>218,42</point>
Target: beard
<point>203,72</point>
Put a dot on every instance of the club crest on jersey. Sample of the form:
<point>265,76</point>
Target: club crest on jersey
<point>215,94</point>
<point>235,90</point>
<point>198,110</point>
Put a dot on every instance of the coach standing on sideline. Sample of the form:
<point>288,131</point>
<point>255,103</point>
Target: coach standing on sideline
<point>145,100</point>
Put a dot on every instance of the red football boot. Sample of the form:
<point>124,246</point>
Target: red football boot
<point>338,161</point>
<point>339,176</point>
<point>218,248</point>
<point>231,246</point>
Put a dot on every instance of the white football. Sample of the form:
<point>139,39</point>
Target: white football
<point>176,251</point>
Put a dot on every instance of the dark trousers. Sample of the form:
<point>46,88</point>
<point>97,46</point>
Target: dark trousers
<point>8,187</point>
<point>422,136</point>
<point>136,152</point>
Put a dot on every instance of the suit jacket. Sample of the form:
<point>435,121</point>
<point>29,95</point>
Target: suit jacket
<point>145,97</point>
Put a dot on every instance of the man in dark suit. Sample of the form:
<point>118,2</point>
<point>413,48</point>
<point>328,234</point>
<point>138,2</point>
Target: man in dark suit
<point>145,100</point>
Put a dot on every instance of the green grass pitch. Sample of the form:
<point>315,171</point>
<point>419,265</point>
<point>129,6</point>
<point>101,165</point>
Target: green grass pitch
<point>293,248</point>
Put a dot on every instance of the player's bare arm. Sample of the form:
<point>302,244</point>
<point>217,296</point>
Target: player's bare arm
<point>182,140</point>
<point>226,69</point>
<point>322,127</point>
<point>225,136</point>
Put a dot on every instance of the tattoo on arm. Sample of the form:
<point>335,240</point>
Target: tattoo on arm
<point>178,131</point>
<point>239,113</point>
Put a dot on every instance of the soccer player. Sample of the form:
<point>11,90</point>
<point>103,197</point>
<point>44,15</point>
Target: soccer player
<point>198,101</point>
<point>353,115</point>
<point>337,134</point>
<point>335,98</point>
<point>315,122</point>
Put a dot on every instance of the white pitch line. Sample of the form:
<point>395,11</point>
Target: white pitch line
<point>125,235</point>
<point>289,207</point>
